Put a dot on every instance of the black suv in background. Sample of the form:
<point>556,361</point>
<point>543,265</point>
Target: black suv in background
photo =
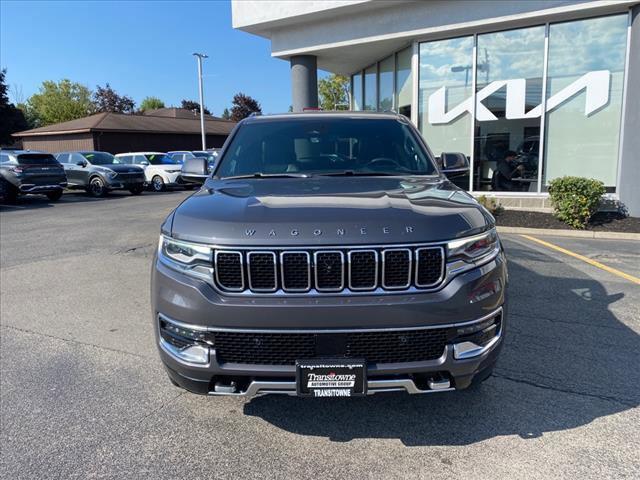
<point>98,173</point>
<point>23,172</point>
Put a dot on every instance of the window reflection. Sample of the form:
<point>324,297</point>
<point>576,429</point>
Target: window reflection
<point>404,82</point>
<point>356,88</point>
<point>386,84</point>
<point>578,143</point>
<point>370,88</point>
<point>506,143</point>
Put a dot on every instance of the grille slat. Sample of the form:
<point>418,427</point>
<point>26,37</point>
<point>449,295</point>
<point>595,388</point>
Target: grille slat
<point>286,348</point>
<point>294,271</point>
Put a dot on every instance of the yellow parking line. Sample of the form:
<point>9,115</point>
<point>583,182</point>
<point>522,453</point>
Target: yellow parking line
<point>599,265</point>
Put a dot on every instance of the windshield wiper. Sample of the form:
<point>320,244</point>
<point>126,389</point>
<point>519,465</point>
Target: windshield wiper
<point>269,175</point>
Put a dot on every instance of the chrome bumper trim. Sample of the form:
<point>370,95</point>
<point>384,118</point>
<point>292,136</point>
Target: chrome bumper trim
<point>35,188</point>
<point>257,388</point>
<point>326,330</point>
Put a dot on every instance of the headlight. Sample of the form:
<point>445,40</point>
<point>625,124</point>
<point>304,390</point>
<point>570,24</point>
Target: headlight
<point>466,253</point>
<point>473,248</point>
<point>189,258</point>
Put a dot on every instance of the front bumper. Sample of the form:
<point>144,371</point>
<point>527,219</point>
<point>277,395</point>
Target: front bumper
<point>119,183</point>
<point>463,301</point>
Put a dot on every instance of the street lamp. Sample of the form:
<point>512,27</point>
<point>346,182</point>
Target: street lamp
<point>200,56</point>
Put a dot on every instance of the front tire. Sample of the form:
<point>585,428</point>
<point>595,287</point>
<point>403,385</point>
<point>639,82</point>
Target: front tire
<point>55,195</point>
<point>97,188</point>
<point>137,189</point>
<point>157,184</point>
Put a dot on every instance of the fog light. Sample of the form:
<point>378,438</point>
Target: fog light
<point>478,338</point>
<point>186,344</point>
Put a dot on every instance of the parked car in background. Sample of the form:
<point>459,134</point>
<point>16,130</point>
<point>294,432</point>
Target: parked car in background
<point>180,155</point>
<point>98,173</point>
<point>23,172</point>
<point>160,170</point>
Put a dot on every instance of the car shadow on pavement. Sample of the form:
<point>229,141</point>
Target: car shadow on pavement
<point>567,361</point>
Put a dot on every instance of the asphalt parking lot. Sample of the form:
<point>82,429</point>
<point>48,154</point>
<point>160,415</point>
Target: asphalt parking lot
<point>83,393</point>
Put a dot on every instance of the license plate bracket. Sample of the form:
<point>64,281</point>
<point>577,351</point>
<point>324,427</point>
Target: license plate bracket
<point>331,377</point>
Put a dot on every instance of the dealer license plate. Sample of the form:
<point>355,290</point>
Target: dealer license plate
<point>331,378</point>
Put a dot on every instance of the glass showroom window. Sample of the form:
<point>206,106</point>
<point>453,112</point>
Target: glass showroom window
<point>370,88</point>
<point>509,73</point>
<point>445,95</point>
<point>585,76</point>
<point>385,84</point>
<point>356,91</point>
<point>404,82</point>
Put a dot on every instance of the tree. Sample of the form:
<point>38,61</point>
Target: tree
<point>107,100</point>
<point>226,114</point>
<point>60,102</point>
<point>334,92</point>
<point>194,106</point>
<point>243,106</point>
<point>151,103</point>
<point>11,118</point>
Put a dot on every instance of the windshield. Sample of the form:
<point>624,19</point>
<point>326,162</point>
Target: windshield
<point>37,159</point>
<point>161,159</point>
<point>99,158</point>
<point>331,146</point>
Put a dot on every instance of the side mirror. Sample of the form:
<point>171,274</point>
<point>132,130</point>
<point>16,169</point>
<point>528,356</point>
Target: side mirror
<point>145,163</point>
<point>453,164</point>
<point>195,166</point>
<point>82,163</point>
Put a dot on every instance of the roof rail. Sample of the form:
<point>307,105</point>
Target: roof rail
<point>255,114</point>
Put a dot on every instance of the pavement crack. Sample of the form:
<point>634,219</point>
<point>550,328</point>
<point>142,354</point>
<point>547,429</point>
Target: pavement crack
<point>161,407</point>
<point>124,251</point>
<point>625,403</point>
<point>77,342</point>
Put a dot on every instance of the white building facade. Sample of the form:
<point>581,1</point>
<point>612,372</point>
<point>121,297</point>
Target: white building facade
<point>556,82</point>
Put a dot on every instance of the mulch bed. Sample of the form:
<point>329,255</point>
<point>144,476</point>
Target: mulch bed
<point>602,221</point>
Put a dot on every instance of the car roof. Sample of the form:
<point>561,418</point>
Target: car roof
<point>140,153</point>
<point>326,114</point>
<point>179,151</point>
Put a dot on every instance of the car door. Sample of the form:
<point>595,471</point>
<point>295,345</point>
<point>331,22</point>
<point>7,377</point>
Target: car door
<point>81,169</point>
<point>69,168</point>
<point>142,162</point>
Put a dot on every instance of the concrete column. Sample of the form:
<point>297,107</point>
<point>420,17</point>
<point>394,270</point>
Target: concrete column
<point>304,82</point>
<point>629,175</point>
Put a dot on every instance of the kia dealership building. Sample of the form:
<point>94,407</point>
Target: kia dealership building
<point>556,81</point>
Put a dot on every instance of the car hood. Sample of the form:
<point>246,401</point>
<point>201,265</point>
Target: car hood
<point>122,168</point>
<point>328,211</point>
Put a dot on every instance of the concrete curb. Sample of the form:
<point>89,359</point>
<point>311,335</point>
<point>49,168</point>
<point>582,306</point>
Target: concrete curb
<point>570,233</point>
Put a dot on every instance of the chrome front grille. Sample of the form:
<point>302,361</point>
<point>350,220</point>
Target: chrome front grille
<point>329,270</point>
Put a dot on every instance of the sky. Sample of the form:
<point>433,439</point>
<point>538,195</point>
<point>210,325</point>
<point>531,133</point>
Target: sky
<point>141,49</point>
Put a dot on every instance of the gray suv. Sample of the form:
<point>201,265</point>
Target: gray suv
<point>329,255</point>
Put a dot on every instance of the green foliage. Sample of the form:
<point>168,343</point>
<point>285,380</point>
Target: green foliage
<point>226,114</point>
<point>333,92</point>
<point>59,102</point>
<point>243,106</point>
<point>575,199</point>
<point>491,204</point>
<point>151,103</point>
<point>11,118</point>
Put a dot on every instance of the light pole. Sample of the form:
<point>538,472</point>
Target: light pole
<point>200,56</point>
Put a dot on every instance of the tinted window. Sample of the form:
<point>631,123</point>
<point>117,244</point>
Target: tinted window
<point>4,158</point>
<point>63,157</point>
<point>37,159</point>
<point>330,145</point>
<point>161,159</point>
<point>99,158</point>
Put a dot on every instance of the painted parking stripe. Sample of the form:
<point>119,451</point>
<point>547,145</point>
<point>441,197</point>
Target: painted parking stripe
<point>588,260</point>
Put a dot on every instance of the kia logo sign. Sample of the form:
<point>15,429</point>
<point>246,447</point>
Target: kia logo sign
<point>595,84</point>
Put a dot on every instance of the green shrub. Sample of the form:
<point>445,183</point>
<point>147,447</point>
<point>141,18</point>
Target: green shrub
<point>575,199</point>
<point>491,204</point>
